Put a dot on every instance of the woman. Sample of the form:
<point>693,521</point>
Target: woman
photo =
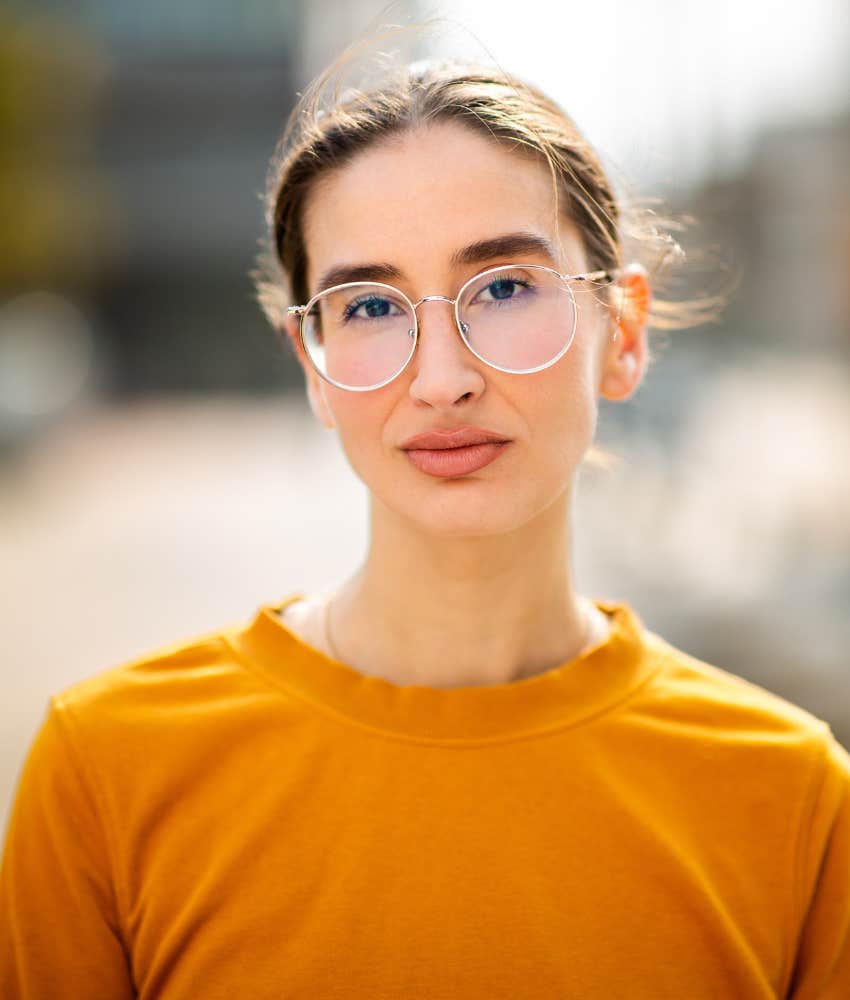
<point>455,775</point>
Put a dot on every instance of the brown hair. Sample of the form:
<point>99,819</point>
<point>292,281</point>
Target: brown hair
<point>485,98</point>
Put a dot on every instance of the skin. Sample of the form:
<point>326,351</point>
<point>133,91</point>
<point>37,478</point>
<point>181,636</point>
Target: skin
<point>466,581</point>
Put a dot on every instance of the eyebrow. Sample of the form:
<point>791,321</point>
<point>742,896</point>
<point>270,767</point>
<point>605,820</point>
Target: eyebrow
<point>511,244</point>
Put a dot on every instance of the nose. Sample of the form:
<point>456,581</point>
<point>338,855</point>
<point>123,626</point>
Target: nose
<point>445,371</point>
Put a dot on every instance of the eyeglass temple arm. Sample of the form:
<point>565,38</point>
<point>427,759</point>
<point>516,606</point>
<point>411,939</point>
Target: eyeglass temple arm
<point>593,275</point>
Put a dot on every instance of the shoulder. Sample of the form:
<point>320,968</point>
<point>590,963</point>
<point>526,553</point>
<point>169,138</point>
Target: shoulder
<point>747,739</point>
<point>141,732</point>
<point>739,748</point>
<point>707,695</point>
<point>166,684</point>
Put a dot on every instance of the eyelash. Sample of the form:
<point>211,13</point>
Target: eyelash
<point>352,307</point>
<point>513,278</point>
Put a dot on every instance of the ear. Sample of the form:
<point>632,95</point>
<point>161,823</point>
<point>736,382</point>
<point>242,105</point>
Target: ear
<point>315,384</point>
<point>625,354</point>
<point>289,332</point>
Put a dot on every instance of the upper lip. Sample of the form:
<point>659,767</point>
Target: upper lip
<point>452,437</point>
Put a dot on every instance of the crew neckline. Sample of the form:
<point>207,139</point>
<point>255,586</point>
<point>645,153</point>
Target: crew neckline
<point>596,680</point>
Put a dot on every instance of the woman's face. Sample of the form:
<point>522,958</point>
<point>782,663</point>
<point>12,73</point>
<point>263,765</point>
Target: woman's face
<point>413,202</point>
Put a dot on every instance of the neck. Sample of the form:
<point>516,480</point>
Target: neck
<point>468,611</point>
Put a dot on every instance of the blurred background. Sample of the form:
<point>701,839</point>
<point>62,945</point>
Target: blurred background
<point>160,473</point>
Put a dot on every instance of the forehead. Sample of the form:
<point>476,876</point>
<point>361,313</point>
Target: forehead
<point>417,197</point>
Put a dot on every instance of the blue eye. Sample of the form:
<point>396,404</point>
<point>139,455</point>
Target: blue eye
<point>369,307</point>
<point>502,288</point>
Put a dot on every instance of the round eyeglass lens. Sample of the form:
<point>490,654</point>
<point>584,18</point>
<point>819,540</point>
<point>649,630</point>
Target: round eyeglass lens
<point>518,318</point>
<point>360,334</point>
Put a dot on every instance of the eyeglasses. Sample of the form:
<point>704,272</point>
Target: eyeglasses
<point>516,318</point>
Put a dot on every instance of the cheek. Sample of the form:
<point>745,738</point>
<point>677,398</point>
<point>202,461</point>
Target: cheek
<point>567,390</point>
<point>566,404</point>
<point>360,419</point>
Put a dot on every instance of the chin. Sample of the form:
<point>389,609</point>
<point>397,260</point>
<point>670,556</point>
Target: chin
<point>454,515</point>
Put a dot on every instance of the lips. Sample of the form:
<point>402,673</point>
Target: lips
<point>450,453</point>
<point>454,463</point>
<point>455,437</point>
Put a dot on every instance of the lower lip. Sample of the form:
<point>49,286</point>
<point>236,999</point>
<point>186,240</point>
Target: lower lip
<point>447,462</point>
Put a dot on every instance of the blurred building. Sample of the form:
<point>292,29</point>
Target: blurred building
<point>195,98</point>
<point>784,225</point>
<point>180,107</point>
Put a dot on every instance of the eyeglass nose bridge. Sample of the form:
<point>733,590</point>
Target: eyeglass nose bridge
<point>437,298</point>
<point>440,298</point>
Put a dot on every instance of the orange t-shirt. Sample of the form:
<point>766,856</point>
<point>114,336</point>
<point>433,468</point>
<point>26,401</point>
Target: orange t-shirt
<point>239,815</point>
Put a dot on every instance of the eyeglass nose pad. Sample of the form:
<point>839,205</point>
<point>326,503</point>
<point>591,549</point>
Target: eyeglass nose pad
<point>411,333</point>
<point>464,328</point>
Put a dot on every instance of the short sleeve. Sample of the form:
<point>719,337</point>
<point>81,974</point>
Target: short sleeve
<point>59,927</point>
<point>821,970</point>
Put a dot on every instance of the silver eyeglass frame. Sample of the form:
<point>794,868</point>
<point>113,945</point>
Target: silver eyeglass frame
<point>301,312</point>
